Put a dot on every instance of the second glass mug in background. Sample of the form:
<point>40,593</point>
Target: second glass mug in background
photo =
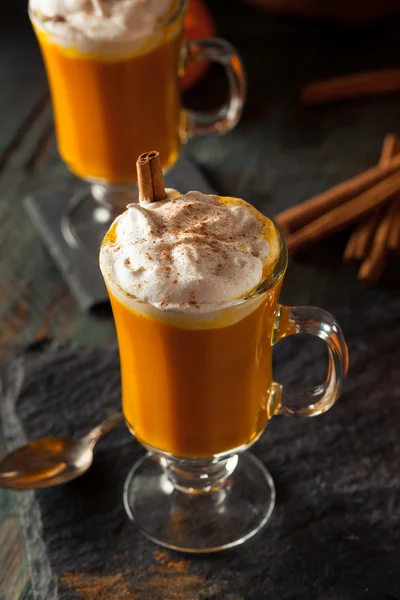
<point>197,392</point>
<point>111,103</point>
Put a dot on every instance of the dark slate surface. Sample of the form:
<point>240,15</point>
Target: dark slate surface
<point>335,531</point>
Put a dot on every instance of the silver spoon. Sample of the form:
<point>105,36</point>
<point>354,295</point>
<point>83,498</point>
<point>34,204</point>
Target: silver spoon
<point>52,460</point>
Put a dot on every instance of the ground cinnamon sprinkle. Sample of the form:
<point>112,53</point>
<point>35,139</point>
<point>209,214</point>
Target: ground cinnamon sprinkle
<point>219,269</point>
<point>181,565</point>
<point>192,300</point>
<point>166,579</point>
<point>98,587</point>
<point>127,261</point>
<point>164,254</point>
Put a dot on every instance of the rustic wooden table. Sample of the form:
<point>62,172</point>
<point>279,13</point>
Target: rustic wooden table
<point>279,154</point>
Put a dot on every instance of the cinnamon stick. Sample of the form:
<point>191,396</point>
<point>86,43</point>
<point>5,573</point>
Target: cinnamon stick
<point>373,266</point>
<point>299,215</point>
<point>344,215</point>
<point>364,233</point>
<point>390,147</point>
<point>360,239</point>
<point>351,86</point>
<point>394,234</point>
<point>150,177</point>
<point>350,249</point>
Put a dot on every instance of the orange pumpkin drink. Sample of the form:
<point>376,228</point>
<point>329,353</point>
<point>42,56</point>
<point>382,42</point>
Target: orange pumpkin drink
<point>107,63</point>
<point>191,283</point>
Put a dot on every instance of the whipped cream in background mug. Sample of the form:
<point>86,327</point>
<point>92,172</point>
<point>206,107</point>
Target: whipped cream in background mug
<point>80,21</point>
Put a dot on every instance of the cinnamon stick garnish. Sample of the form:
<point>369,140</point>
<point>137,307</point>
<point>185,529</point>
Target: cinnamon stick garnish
<point>359,241</point>
<point>349,87</point>
<point>150,177</point>
<point>301,214</point>
<point>344,215</point>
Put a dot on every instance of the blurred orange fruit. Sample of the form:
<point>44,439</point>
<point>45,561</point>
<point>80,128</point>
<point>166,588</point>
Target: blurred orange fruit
<point>198,24</point>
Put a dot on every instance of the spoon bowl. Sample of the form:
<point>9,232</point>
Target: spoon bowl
<point>51,461</point>
<point>45,462</point>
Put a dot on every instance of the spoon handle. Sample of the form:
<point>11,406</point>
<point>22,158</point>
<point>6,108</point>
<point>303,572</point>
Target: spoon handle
<point>101,430</point>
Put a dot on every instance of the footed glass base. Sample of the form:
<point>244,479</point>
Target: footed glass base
<point>199,521</point>
<point>91,212</point>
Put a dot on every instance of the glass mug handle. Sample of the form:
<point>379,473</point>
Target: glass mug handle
<point>315,321</point>
<point>224,118</point>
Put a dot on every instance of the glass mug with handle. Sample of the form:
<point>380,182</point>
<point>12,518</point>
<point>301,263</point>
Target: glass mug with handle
<point>113,98</point>
<point>198,391</point>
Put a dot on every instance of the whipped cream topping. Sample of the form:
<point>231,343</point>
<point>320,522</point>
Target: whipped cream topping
<point>191,253</point>
<point>83,23</point>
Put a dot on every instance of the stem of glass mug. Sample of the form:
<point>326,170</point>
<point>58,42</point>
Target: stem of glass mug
<point>198,476</point>
<point>113,197</point>
<point>106,202</point>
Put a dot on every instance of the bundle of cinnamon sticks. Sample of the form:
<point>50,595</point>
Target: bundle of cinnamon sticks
<point>370,201</point>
